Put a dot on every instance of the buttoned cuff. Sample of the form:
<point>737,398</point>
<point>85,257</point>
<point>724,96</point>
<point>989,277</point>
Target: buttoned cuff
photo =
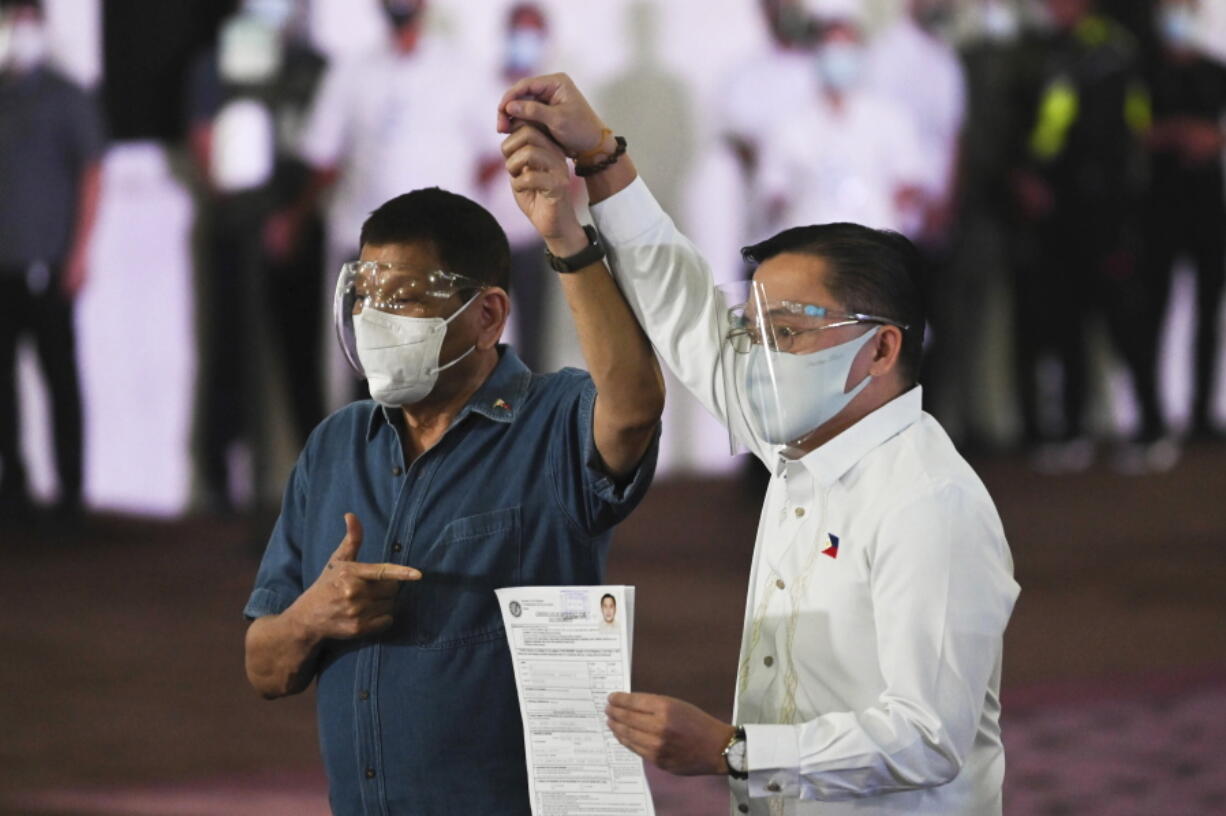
<point>265,602</point>
<point>627,214</point>
<point>773,758</point>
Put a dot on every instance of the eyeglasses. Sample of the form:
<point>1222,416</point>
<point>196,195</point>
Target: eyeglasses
<point>404,290</point>
<point>788,320</point>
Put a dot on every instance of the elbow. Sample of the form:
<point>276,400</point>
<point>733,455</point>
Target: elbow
<point>944,768</point>
<point>263,684</point>
<point>272,688</point>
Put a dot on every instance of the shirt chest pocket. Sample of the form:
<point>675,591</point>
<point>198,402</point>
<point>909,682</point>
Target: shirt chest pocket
<point>471,558</point>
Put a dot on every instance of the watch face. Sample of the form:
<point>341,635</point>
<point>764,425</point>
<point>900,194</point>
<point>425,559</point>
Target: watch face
<point>736,756</point>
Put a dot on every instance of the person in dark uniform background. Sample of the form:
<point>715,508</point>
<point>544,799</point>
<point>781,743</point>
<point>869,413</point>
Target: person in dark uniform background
<point>1078,192</point>
<point>51,145</point>
<point>246,101</point>
<point>1187,215</point>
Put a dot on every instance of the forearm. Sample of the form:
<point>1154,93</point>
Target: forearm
<point>670,290</point>
<point>280,655</point>
<point>618,355</point>
<point>87,207</point>
<point>612,180</point>
<point>849,755</point>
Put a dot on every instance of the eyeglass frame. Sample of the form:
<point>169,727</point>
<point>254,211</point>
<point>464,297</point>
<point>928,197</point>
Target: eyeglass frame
<point>453,278</point>
<point>807,310</point>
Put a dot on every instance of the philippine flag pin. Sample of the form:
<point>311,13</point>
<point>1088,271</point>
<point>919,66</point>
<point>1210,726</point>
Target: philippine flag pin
<point>832,546</point>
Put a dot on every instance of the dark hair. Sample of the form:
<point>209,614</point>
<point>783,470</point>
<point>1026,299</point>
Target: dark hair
<point>466,237</point>
<point>522,10</point>
<point>870,270</point>
<point>610,597</point>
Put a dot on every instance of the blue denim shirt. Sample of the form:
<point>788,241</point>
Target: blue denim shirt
<point>423,718</point>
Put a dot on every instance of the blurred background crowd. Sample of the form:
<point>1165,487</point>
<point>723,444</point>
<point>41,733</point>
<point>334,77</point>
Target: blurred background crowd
<point>182,180</point>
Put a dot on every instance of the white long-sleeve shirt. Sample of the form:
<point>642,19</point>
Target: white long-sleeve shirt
<point>880,588</point>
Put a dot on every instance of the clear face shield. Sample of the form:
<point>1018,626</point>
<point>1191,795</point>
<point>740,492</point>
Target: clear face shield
<point>391,319</point>
<point>786,364</point>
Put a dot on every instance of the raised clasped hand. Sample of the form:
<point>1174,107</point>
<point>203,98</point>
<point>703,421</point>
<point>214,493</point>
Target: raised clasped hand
<point>554,103</point>
<point>540,179</point>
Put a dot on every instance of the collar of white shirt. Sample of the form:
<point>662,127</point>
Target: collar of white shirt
<point>828,463</point>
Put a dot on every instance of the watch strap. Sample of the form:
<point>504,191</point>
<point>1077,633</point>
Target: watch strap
<point>585,257</point>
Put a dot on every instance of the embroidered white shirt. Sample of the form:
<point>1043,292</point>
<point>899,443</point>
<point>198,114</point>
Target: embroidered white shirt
<point>880,588</point>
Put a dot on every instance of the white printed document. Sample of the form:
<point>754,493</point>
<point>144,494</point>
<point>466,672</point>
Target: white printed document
<point>571,647</point>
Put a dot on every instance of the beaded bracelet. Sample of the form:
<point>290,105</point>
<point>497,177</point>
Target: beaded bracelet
<point>605,163</point>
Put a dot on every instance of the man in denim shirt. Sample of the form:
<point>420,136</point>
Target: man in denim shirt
<point>468,467</point>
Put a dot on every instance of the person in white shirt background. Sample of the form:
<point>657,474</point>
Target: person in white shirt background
<point>847,153</point>
<point>525,50</point>
<point>881,581</point>
<point>765,89</point>
<point>382,123</point>
<point>916,45</point>
<point>913,47</point>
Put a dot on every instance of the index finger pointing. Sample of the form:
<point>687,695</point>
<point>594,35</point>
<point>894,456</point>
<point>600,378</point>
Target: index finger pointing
<point>384,572</point>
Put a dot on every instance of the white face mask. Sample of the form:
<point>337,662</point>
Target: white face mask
<point>524,49</point>
<point>23,45</point>
<point>1177,25</point>
<point>250,50</point>
<point>400,355</point>
<point>998,21</point>
<point>840,64</point>
<point>807,391</point>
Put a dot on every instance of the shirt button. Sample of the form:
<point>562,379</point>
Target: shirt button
<point>779,583</point>
<point>370,773</point>
<point>396,547</point>
<point>800,512</point>
<point>363,695</point>
<point>769,661</point>
<point>396,471</point>
<point>743,808</point>
<point>774,787</point>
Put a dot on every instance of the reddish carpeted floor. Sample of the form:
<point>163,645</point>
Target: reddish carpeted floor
<point>122,692</point>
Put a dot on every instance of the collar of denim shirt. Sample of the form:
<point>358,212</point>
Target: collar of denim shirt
<point>499,398</point>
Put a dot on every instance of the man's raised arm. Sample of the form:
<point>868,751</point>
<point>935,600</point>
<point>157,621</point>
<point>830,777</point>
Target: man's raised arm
<point>629,385</point>
<point>666,282</point>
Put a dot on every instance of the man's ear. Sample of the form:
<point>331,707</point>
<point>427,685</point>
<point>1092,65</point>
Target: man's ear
<point>886,349</point>
<point>493,306</point>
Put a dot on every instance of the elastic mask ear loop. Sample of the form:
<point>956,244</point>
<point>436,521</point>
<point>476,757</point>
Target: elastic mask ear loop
<point>471,348</point>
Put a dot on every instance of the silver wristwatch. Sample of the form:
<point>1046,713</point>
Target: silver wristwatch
<point>734,755</point>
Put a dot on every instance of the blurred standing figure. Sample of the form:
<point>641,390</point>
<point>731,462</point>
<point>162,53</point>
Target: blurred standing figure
<point>389,121</point>
<point>768,87</point>
<point>51,144</point>
<point>1078,191</point>
<point>525,42</point>
<point>1187,214</point>
<point>914,46</point>
<point>979,262</point>
<point>247,100</point>
<point>846,153</point>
